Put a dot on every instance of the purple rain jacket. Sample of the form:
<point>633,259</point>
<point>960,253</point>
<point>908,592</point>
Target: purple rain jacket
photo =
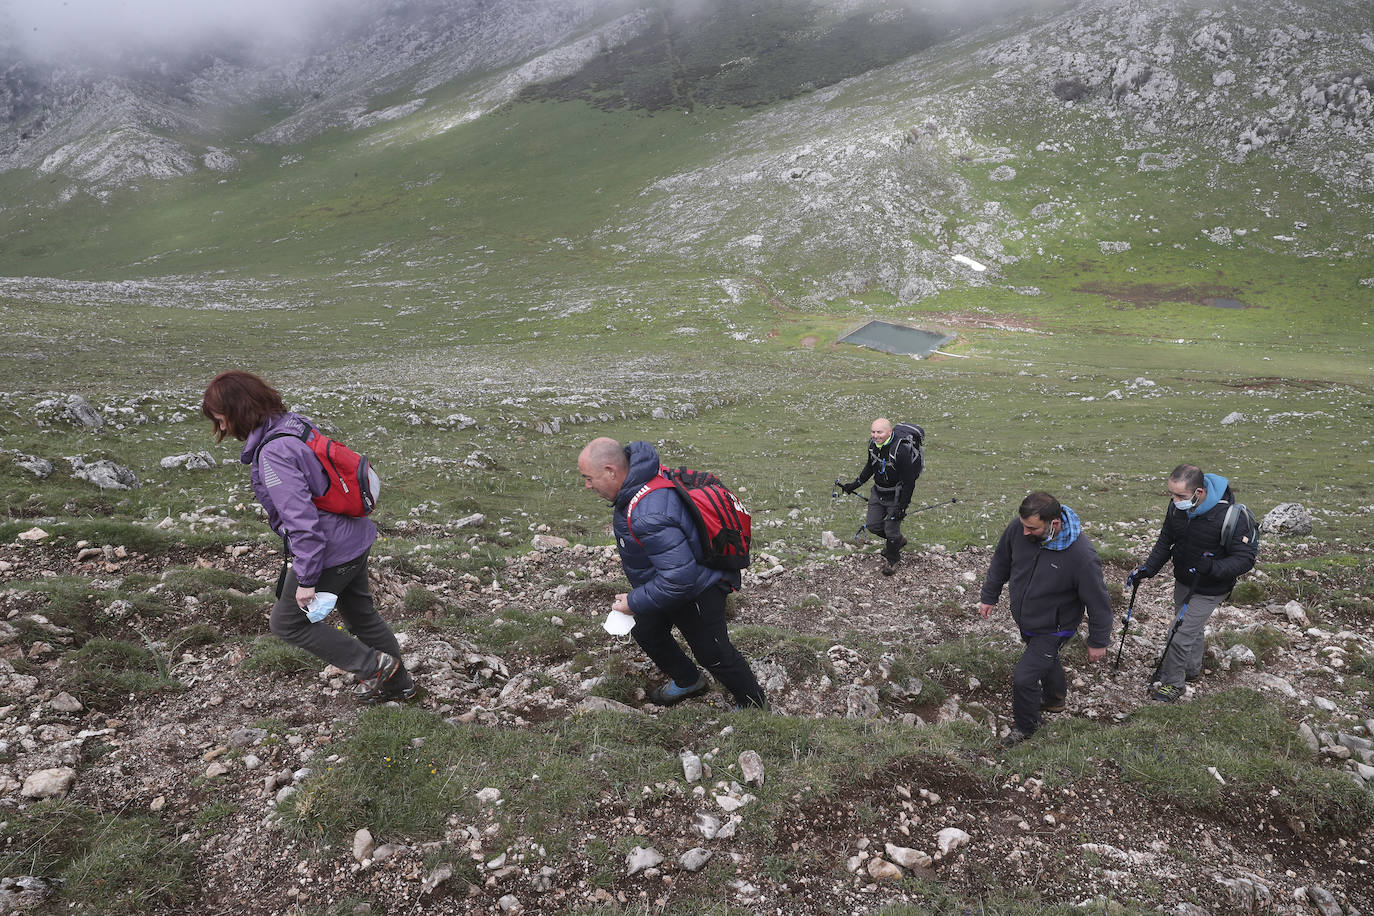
<point>664,565</point>
<point>285,475</point>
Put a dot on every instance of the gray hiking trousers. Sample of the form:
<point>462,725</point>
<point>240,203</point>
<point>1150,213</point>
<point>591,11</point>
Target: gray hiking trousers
<point>353,633</point>
<point>1184,658</point>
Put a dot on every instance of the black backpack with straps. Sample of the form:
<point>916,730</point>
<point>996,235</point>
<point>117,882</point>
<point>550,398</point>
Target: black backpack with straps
<point>914,434</point>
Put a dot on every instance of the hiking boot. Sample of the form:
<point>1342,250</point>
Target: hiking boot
<point>889,567</point>
<point>393,692</point>
<point>1013,738</point>
<point>369,688</point>
<point>670,693</point>
<point>1054,704</point>
<point>1167,693</point>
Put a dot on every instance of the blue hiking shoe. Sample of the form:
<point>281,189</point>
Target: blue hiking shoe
<point>670,693</point>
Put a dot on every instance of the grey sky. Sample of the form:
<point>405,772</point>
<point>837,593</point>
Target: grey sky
<point>66,31</point>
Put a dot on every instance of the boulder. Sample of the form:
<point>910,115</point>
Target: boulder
<point>1288,518</point>
<point>38,467</point>
<point>52,783</point>
<point>191,461</point>
<point>73,409</point>
<point>104,473</point>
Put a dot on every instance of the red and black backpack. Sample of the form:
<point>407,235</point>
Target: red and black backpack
<point>721,520</point>
<point>353,485</point>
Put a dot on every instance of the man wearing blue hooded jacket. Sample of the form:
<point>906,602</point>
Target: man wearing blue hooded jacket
<point>1205,570</point>
<point>1055,574</point>
<point>670,586</point>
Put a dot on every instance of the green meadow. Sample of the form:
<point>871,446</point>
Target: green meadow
<point>469,301</point>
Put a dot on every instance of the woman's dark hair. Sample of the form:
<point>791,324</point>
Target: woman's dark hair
<point>1190,476</point>
<point>243,399</point>
<point>1040,504</point>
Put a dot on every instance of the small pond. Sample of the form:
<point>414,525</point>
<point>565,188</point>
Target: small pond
<point>897,338</point>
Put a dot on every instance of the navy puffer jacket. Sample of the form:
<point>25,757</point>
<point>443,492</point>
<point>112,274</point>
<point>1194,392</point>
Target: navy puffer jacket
<point>662,559</point>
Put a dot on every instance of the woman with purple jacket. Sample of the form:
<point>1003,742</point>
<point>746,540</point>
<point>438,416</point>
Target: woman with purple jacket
<point>328,552</point>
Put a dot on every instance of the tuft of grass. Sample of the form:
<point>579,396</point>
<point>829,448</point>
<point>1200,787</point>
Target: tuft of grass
<point>587,763</point>
<point>419,601</point>
<point>800,655</point>
<point>1165,751</point>
<point>103,862</point>
<point>270,655</point>
<point>1248,592</point>
<point>1263,640</point>
<point>105,671</point>
<point>527,632</point>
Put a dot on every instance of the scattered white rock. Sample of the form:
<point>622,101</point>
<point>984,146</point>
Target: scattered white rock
<point>50,783</point>
<point>363,845</point>
<point>879,869</point>
<point>694,859</point>
<point>65,703</point>
<point>640,858</point>
<point>950,839</point>
<point>907,857</point>
<point>751,766</point>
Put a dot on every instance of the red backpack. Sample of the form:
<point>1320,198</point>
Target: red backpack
<point>721,520</point>
<point>353,485</point>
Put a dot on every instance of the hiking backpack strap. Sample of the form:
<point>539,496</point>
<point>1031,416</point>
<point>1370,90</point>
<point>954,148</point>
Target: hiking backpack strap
<point>657,482</point>
<point>285,542</point>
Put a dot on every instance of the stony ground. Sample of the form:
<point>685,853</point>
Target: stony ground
<point>179,753</point>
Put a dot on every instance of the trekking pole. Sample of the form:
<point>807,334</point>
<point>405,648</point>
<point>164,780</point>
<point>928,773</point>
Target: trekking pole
<point>1173,630</point>
<point>1116,665</point>
<point>933,506</point>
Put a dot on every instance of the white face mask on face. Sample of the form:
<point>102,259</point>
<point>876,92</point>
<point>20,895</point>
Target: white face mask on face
<point>1183,505</point>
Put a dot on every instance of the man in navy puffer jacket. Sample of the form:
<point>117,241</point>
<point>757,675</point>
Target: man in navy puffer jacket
<point>669,584</point>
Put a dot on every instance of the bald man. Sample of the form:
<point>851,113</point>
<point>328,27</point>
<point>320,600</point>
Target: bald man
<point>894,463</point>
<point>670,586</point>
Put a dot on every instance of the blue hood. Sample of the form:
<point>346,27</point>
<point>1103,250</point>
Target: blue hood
<point>644,466</point>
<point>1216,488</point>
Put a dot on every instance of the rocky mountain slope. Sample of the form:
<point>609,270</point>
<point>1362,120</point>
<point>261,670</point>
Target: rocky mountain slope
<point>232,751</point>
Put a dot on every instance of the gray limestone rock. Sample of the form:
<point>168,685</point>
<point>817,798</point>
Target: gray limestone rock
<point>1288,518</point>
<point>694,859</point>
<point>104,473</point>
<point>72,409</point>
<point>191,461</point>
<point>38,467</point>
<point>640,858</point>
<point>50,783</point>
<point>363,844</point>
<point>751,766</point>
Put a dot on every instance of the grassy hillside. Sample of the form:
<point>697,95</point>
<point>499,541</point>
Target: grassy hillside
<point>469,301</point>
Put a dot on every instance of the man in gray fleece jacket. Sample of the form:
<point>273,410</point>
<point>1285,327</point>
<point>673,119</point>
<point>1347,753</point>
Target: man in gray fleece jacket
<point>1055,575</point>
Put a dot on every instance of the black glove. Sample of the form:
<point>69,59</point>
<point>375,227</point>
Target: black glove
<point>1204,565</point>
<point>899,515</point>
<point>1139,574</point>
<point>850,487</point>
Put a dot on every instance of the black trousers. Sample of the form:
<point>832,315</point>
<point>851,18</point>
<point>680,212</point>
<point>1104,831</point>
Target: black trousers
<point>1038,675</point>
<point>353,633</point>
<point>702,623</point>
